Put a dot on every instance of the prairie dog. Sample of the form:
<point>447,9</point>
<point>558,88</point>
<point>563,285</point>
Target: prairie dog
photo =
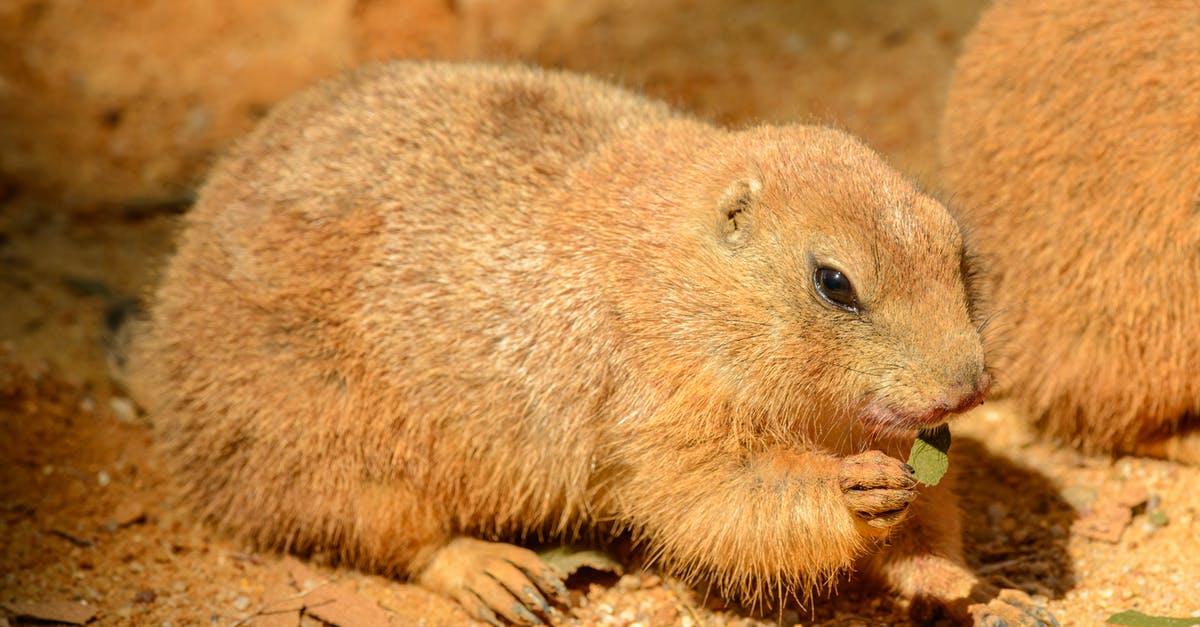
<point>1071,138</point>
<point>426,308</point>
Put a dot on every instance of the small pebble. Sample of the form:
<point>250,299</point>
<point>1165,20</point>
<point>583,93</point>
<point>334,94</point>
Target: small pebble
<point>840,41</point>
<point>123,409</point>
<point>1079,497</point>
<point>629,583</point>
<point>145,596</point>
<point>241,603</point>
<point>103,478</point>
<point>996,512</point>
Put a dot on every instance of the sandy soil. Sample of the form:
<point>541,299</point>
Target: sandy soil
<point>109,114</point>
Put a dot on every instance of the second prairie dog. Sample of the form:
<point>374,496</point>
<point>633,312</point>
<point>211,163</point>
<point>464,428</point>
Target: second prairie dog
<point>1071,139</point>
<point>426,308</point>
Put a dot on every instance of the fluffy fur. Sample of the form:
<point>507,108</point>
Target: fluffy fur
<point>1071,139</point>
<point>425,303</point>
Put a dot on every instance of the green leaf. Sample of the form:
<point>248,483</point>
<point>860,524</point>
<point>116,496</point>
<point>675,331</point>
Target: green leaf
<point>929,456</point>
<point>1134,618</point>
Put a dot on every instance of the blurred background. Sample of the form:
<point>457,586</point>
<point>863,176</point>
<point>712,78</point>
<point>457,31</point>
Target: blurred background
<point>112,111</point>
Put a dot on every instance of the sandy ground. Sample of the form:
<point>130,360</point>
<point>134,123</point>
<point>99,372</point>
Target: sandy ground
<point>109,113</point>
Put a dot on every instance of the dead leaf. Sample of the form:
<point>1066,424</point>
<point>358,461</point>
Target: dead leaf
<point>281,610</point>
<point>566,560</point>
<point>339,605</point>
<point>336,604</point>
<point>1131,496</point>
<point>1105,522</point>
<point>303,576</point>
<point>283,598</point>
<point>68,612</point>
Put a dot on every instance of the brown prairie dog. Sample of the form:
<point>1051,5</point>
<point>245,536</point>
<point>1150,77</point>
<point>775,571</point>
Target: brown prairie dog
<point>1071,139</point>
<point>425,308</point>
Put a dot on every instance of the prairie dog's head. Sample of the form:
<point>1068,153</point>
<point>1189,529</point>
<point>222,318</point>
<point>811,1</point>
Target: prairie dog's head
<point>831,286</point>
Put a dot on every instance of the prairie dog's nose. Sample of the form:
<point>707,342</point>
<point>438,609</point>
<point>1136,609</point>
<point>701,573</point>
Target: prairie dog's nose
<point>966,377</point>
<point>970,391</point>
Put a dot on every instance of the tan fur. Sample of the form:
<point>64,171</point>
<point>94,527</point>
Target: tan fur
<point>1071,139</point>
<point>424,302</point>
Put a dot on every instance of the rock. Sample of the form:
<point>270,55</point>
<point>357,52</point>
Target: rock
<point>123,409</point>
<point>125,514</point>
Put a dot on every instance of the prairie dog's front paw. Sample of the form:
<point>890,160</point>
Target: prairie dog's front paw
<point>877,489</point>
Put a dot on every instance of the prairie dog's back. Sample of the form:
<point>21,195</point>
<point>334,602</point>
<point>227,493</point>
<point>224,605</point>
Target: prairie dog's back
<point>419,137</point>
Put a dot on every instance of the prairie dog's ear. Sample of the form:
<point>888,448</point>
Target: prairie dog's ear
<point>736,207</point>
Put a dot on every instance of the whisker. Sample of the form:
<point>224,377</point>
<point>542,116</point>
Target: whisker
<point>866,373</point>
<point>735,320</point>
<point>741,339</point>
<point>983,325</point>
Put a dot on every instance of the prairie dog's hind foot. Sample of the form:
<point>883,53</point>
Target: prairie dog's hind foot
<point>1011,608</point>
<point>495,581</point>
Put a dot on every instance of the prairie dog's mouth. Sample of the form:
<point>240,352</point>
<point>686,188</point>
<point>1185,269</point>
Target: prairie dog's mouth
<point>878,419</point>
<point>879,416</point>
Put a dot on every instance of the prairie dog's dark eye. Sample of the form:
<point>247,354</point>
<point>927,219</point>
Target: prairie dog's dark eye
<point>836,289</point>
